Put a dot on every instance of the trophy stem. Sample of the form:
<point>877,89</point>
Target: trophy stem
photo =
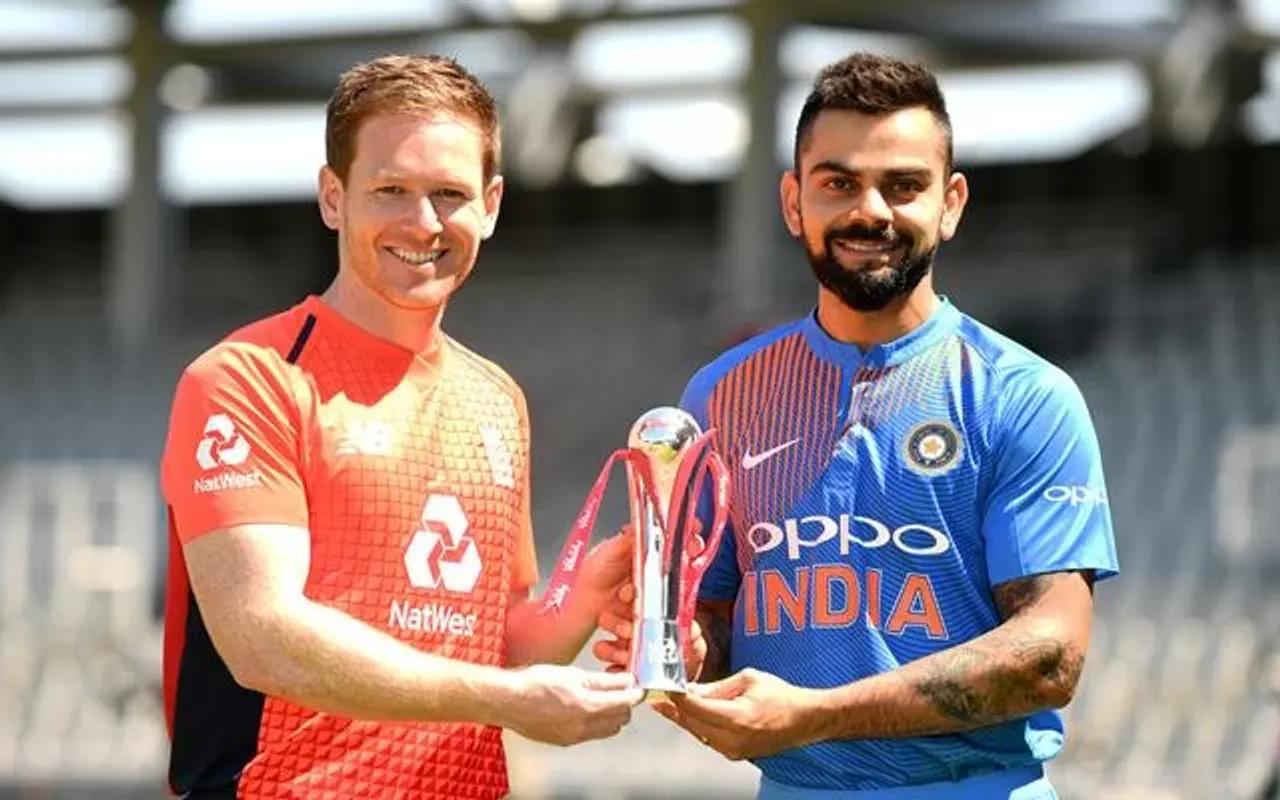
<point>660,662</point>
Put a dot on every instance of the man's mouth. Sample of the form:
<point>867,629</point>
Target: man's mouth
<point>866,246</point>
<point>417,258</point>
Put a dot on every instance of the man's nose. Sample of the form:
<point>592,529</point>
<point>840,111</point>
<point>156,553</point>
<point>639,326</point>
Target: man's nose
<point>426,216</point>
<point>871,207</point>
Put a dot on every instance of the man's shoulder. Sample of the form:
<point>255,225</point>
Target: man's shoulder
<point>712,373</point>
<point>256,350</point>
<point>1014,365</point>
<point>1023,382</point>
<point>480,374</point>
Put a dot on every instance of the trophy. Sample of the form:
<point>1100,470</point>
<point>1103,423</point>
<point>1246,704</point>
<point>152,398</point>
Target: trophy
<point>668,465</point>
<point>668,460</point>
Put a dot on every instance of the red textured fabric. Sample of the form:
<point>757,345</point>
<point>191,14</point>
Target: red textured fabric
<point>412,475</point>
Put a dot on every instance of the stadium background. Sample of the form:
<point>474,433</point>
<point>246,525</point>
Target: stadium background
<point>156,170</point>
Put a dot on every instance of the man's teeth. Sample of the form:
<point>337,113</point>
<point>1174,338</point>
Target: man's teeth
<point>414,257</point>
<point>865,246</point>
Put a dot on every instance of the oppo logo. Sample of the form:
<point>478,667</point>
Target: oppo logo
<point>1076,495</point>
<point>850,531</point>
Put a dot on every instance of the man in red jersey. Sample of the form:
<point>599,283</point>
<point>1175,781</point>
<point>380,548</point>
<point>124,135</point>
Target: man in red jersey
<point>349,610</point>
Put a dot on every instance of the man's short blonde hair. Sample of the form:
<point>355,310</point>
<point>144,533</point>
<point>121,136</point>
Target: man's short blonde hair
<point>407,84</point>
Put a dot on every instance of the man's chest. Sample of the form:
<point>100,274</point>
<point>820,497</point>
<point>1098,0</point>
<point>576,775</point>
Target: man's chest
<point>908,479</point>
<point>412,441</point>
<point>427,479</point>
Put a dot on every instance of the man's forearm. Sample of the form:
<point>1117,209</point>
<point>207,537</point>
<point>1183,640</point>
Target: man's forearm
<point>537,638</point>
<point>324,659</point>
<point>1017,669</point>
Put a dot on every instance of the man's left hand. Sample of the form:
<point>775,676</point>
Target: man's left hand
<point>748,715</point>
<point>604,571</point>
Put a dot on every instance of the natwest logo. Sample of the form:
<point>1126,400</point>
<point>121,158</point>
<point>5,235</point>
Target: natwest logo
<point>431,618</point>
<point>221,445</point>
<point>442,553</point>
<point>850,531</point>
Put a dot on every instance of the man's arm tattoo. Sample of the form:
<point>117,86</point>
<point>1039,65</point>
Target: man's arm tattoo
<point>1010,671</point>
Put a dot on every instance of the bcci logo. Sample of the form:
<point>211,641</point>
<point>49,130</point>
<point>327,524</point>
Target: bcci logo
<point>933,448</point>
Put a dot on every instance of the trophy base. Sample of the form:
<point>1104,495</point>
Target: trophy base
<point>660,694</point>
<point>658,667</point>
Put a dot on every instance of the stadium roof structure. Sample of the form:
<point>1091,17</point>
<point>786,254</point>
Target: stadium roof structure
<point>597,91</point>
<point>140,106</point>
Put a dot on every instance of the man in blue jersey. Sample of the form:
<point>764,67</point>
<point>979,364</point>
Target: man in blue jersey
<point>919,512</point>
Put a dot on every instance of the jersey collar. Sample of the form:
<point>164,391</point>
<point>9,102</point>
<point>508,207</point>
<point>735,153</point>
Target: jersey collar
<point>373,349</point>
<point>939,325</point>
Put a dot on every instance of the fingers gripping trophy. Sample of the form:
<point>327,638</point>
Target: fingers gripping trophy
<point>670,465</point>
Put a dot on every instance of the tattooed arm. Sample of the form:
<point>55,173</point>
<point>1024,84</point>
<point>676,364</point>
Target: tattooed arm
<point>1031,662</point>
<point>716,620</point>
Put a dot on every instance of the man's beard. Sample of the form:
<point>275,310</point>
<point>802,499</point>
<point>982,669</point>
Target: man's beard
<point>870,288</point>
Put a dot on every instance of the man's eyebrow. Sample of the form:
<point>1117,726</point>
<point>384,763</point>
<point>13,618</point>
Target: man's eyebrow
<point>894,172</point>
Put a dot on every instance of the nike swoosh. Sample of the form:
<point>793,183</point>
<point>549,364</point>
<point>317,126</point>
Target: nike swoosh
<point>750,461</point>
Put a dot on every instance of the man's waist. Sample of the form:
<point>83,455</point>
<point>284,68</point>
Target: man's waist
<point>1021,783</point>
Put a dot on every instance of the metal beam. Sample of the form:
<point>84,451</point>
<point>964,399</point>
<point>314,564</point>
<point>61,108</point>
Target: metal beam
<point>137,254</point>
<point>749,228</point>
<point>372,41</point>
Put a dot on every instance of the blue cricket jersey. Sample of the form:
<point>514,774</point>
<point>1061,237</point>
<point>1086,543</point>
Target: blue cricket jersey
<point>877,498</point>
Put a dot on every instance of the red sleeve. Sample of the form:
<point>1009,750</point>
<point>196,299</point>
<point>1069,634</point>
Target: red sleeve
<point>231,455</point>
<point>525,570</point>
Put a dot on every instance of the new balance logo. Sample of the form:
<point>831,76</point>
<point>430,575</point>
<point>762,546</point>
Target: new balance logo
<point>751,461</point>
<point>366,439</point>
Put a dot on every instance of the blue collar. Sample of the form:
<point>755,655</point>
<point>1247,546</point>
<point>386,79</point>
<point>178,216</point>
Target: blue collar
<point>943,321</point>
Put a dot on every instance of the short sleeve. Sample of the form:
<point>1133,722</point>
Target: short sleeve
<point>721,580</point>
<point>1047,510</point>
<point>231,453</point>
<point>524,573</point>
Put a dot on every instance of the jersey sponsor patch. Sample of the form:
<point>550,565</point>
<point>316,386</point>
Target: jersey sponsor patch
<point>223,448</point>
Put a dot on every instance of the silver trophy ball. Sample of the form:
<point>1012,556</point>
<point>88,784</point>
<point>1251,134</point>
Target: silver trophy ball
<point>663,433</point>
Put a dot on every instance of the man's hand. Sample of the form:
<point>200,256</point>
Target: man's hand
<point>618,619</point>
<point>537,638</point>
<point>748,715</point>
<point>605,570</point>
<point>566,705</point>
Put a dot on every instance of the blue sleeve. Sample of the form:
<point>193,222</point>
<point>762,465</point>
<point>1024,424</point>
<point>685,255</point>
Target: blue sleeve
<point>1047,510</point>
<point>722,577</point>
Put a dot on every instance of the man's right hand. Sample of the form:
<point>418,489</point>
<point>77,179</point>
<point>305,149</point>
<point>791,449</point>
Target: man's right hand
<point>618,620</point>
<point>566,705</point>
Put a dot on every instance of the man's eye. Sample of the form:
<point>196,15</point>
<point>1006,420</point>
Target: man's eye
<point>389,190</point>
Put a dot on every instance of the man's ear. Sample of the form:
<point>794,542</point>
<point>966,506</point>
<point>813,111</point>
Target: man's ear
<point>954,202</point>
<point>329,196</point>
<point>789,192</point>
<point>492,205</point>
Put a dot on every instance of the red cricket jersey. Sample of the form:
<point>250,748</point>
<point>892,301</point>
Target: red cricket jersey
<point>411,474</point>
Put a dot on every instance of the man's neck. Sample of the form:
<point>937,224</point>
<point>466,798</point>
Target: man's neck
<point>866,329</point>
<point>416,330</point>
